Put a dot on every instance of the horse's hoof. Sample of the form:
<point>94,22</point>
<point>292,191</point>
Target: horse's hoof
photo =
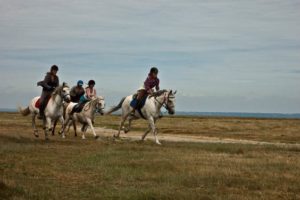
<point>158,143</point>
<point>35,133</point>
<point>63,137</point>
<point>126,130</point>
<point>75,135</point>
<point>96,137</point>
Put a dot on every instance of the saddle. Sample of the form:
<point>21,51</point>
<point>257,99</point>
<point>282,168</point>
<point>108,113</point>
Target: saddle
<point>38,102</point>
<point>78,107</point>
<point>138,104</point>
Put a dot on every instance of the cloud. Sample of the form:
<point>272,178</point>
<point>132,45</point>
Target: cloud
<point>224,49</point>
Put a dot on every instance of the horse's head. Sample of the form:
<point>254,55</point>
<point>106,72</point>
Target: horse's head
<point>170,101</point>
<point>64,92</point>
<point>100,104</point>
<point>167,99</point>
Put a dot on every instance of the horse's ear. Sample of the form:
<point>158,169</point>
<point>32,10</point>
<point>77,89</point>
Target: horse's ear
<point>65,84</point>
<point>175,92</point>
<point>171,92</point>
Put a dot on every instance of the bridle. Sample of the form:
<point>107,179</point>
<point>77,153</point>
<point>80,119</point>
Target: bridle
<point>96,102</point>
<point>62,96</point>
<point>165,101</point>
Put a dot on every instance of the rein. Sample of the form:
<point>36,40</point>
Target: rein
<point>164,103</point>
<point>92,103</point>
<point>63,97</point>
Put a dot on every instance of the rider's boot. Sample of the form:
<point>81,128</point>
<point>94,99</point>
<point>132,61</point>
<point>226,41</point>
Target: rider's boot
<point>135,107</point>
<point>41,114</point>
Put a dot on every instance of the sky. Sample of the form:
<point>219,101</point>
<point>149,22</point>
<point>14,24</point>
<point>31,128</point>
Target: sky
<point>220,55</point>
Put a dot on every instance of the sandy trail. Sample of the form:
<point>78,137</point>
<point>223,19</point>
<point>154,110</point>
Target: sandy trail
<point>134,135</point>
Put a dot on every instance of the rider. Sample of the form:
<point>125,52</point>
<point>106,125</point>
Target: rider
<point>90,93</point>
<point>151,82</point>
<point>90,90</point>
<point>77,91</point>
<point>50,82</point>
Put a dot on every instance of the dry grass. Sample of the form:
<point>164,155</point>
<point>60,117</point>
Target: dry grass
<point>74,169</point>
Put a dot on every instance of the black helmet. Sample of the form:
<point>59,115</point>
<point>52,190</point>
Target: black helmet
<point>154,70</point>
<point>54,68</point>
<point>91,82</point>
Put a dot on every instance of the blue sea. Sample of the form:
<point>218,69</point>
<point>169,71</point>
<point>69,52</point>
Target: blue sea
<point>221,114</point>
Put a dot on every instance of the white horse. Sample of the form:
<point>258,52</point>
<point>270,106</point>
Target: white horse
<point>150,111</point>
<point>53,110</point>
<point>86,116</point>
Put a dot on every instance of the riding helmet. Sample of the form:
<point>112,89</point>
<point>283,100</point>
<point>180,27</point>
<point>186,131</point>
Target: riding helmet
<point>154,70</point>
<point>80,82</point>
<point>91,82</point>
<point>54,68</point>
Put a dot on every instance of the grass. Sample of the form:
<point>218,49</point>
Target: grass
<point>32,168</point>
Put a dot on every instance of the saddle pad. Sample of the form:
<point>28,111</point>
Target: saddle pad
<point>134,102</point>
<point>78,107</point>
<point>38,102</point>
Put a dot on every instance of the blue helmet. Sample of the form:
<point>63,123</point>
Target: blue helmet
<point>80,82</point>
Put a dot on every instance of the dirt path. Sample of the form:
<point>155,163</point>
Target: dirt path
<point>134,135</point>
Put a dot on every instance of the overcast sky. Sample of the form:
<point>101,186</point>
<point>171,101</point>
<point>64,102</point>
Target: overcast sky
<point>224,56</point>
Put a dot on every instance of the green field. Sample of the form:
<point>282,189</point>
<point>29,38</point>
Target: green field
<point>31,168</point>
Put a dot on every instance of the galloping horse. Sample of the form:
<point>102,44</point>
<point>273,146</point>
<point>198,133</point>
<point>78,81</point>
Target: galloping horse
<point>150,111</point>
<point>86,116</point>
<point>53,110</point>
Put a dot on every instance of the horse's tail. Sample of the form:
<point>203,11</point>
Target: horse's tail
<point>115,108</point>
<point>23,111</point>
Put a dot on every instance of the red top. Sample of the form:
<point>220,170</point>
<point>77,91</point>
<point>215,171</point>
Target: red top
<point>151,83</point>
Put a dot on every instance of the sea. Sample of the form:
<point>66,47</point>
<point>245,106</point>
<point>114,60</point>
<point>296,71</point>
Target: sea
<point>220,114</point>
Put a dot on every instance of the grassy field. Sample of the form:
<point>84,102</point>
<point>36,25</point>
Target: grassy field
<point>31,168</point>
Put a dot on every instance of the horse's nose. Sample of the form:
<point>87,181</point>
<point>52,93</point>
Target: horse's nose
<point>68,99</point>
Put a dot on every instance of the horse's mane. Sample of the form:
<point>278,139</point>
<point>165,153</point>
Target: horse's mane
<point>58,90</point>
<point>158,93</point>
<point>92,102</point>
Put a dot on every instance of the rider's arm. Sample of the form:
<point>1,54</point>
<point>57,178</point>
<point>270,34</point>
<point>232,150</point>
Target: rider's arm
<point>44,82</point>
<point>88,93</point>
<point>157,85</point>
<point>95,92</point>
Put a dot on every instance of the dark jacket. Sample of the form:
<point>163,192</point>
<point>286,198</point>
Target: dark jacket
<point>48,83</point>
<point>76,92</point>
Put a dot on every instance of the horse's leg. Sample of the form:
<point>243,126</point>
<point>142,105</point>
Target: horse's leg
<point>54,126</point>
<point>62,130</point>
<point>83,130</point>
<point>90,123</point>
<point>126,130</point>
<point>154,130</point>
<point>123,119</point>
<point>35,131</point>
<point>75,127</point>
<point>146,133</point>
<point>47,126</point>
<point>66,123</point>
